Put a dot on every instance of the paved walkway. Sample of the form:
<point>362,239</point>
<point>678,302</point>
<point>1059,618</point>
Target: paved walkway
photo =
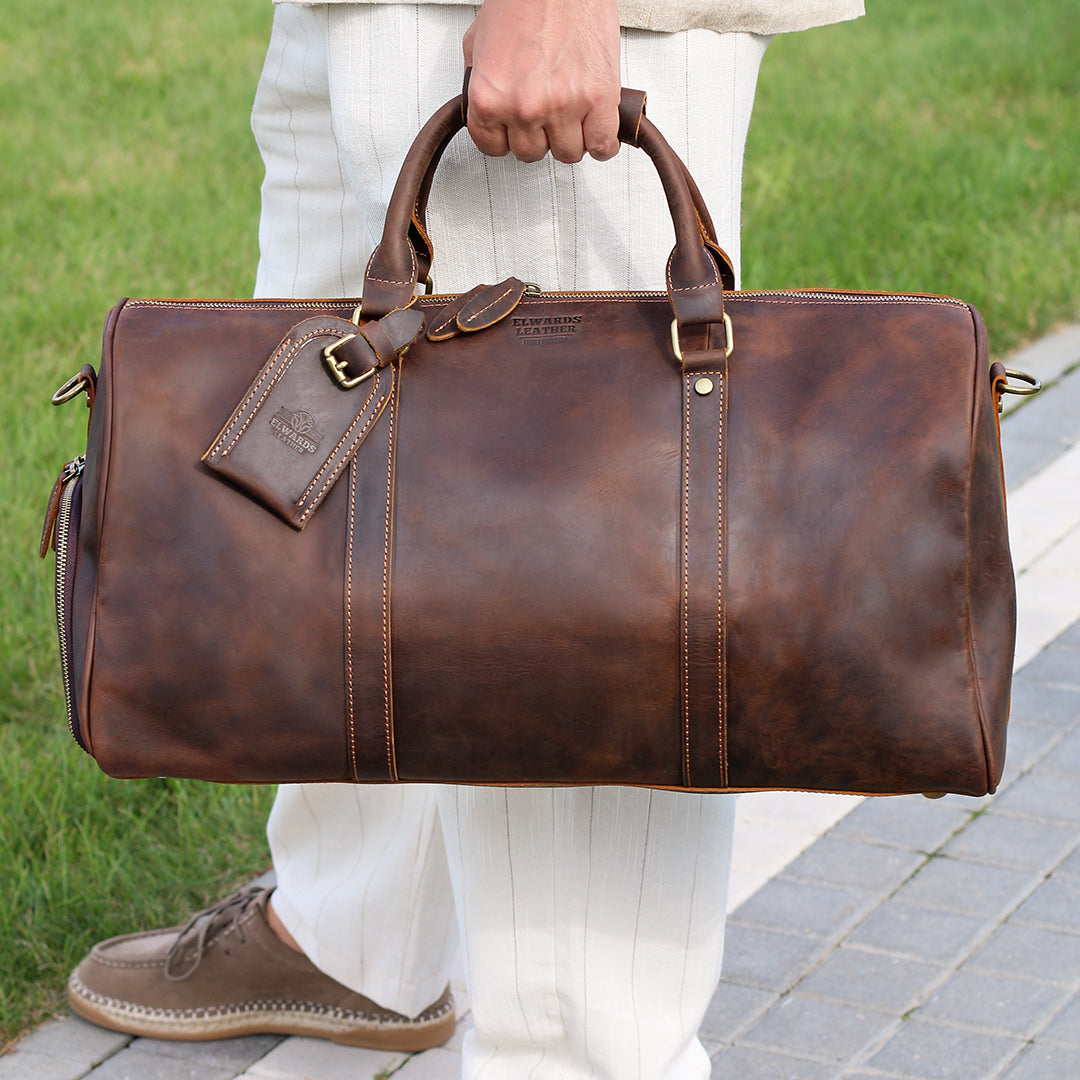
<point>891,938</point>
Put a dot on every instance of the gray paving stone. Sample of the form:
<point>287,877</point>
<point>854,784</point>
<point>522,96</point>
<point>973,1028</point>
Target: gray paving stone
<point>743,1063</point>
<point>1008,841</point>
<point>73,1038</point>
<point>1053,667</point>
<point>1028,744</point>
<point>931,1052</point>
<point>889,983</point>
<point>733,1009</point>
<point>437,1064</point>
<point>804,907</point>
<point>26,1065</point>
<point>301,1058</point>
<point>1043,796</point>
<point>1028,952</point>
<point>921,933</point>
<point>1029,452</point>
<point>971,888</point>
<point>907,821</point>
<point>1070,639</point>
<point>1035,703</point>
<point>999,1005</point>
<point>838,860</point>
<point>767,959</point>
<point>236,1054</point>
<point>1071,866</point>
<point>1047,1063</point>
<point>132,1064</point>
<point>1066,1028</point>
<point>1064,758</point>
<point>1032,437</point>
<point>1053,357</point>
<point>823,1030</point>
<point>1056,906</point>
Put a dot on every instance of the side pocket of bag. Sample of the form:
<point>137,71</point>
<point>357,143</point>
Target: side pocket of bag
<point>67,553</point>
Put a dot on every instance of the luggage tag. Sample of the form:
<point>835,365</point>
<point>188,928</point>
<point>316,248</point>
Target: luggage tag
<point>309,409</point>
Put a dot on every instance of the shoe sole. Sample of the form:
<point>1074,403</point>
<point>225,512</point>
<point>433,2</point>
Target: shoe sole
<point>264,1018</point>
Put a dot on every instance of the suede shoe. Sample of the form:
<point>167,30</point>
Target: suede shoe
<point>227,973</point>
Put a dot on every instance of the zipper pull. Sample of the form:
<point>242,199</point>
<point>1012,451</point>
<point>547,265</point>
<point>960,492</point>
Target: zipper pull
<point>479,308</point>
<point>48,533</point>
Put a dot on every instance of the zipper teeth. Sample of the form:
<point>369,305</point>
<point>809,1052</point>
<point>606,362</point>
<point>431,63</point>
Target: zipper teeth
<point>63,523</point>
<point>441,298</point>
<point>854,297</point>
<point>797,294</point>
<point>263,305</point>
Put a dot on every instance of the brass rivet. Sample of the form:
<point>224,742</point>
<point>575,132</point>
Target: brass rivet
<point>704,386</point>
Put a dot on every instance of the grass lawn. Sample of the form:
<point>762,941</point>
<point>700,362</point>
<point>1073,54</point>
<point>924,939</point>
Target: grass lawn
<point>932,147</point>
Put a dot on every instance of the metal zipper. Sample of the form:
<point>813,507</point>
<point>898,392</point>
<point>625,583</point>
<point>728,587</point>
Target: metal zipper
<point>71,471</point>
<point>762,294</point>
<point>439,299</point>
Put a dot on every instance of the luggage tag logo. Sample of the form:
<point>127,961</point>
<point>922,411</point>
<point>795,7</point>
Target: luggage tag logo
<point>296,430</point>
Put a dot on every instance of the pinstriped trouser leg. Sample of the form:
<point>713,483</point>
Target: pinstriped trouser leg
<point>592,919</point>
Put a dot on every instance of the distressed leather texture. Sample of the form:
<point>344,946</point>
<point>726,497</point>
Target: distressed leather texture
<point>560,555</point>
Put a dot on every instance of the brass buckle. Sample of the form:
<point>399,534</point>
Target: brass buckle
<point>729,346</point>
<point>76,385</point>
<point>338,367</point>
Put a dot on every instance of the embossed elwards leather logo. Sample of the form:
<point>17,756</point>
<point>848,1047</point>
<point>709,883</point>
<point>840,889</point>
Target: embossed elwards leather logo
<point>545,329</point>
<point>296,430</point>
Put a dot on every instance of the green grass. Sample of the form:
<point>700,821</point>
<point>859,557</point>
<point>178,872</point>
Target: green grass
<point>927,148</point>
<point>931,147</point>
<point>126,166</point>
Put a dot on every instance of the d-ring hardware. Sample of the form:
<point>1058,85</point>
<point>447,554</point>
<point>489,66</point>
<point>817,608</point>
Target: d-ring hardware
<point>1033,386</point>
<point>76,385</point>
<point>728,334</point>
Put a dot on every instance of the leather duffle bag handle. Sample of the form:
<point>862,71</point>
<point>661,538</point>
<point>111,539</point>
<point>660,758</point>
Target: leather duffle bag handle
<point>698,270</point>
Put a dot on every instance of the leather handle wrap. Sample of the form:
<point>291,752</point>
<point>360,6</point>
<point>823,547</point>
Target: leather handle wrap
<point>698,271</point>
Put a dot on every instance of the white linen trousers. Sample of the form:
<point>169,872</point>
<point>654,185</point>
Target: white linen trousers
<point>591,919</point>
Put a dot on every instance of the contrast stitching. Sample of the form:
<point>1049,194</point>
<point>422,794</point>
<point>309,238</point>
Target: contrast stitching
<point>721,667</point>
<point>346,458</point>
<point>349,703</point>
<point>241,1009</point>
<point>386,597</point>
<point>368,276</point>
<point>693,288</point>
<point>721,652</point>
<point>285,365</point>
<point>391,281</point>
<point>267,370</point>
<point>686,587</point>
<point>476,314</point>
<point>342,441</point>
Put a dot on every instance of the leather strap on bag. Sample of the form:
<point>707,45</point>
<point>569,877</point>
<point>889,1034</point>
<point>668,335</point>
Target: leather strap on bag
<point>696,270</point>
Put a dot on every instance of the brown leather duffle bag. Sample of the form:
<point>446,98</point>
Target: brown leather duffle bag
<point>701,539</point>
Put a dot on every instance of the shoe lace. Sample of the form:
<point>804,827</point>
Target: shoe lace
<point>204,928</point>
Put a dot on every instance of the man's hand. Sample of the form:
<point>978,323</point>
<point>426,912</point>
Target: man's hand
<point>545,77</point>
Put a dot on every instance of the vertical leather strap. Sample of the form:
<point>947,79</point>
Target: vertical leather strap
<point>369,689</point>
<point>704,666</point>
